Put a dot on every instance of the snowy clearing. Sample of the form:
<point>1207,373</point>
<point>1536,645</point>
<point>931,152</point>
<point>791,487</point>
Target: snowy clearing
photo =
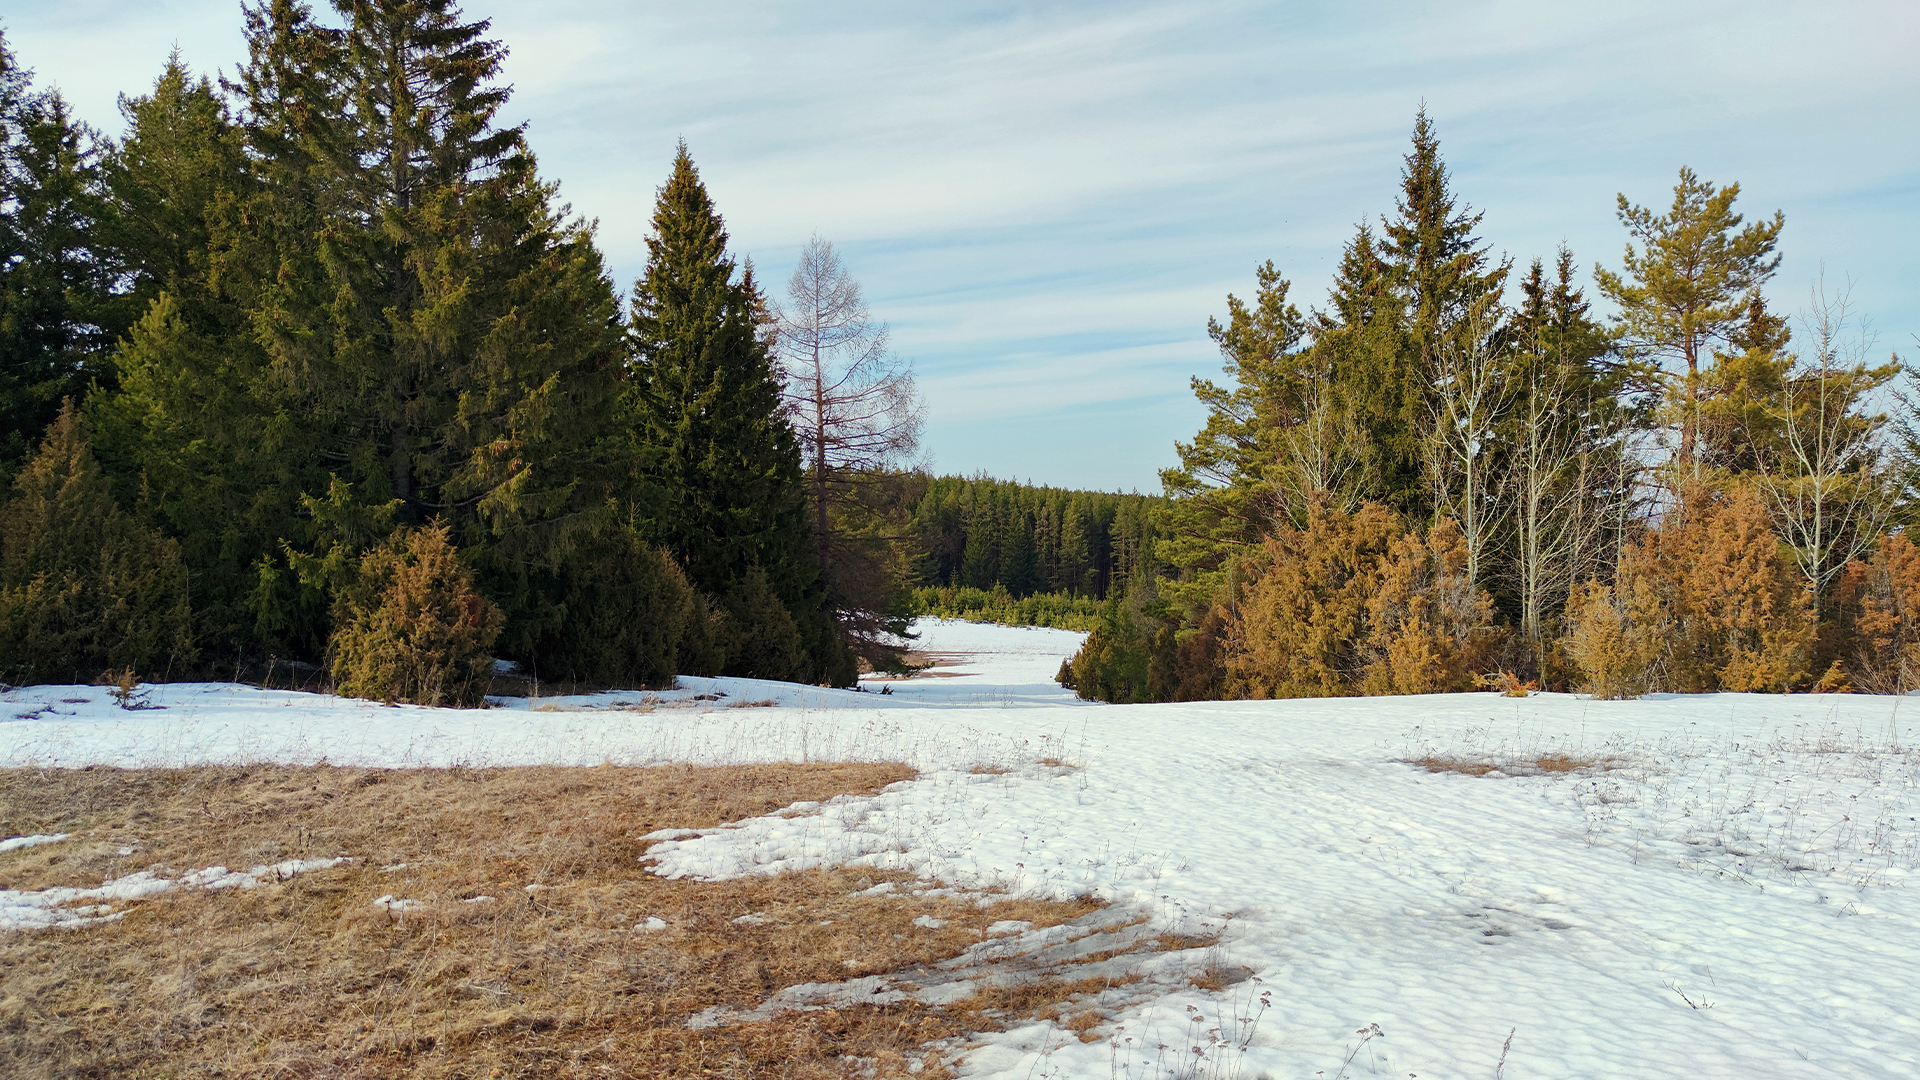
<point>1718,886</point>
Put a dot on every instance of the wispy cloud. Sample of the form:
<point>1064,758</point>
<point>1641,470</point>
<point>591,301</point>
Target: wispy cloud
<point>1048,200</point>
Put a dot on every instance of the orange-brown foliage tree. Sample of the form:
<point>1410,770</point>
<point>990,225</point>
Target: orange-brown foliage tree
<point>1707,602</point>
<point>1298,629</point>
<point>1886,632</point>
<point>1349,604</point>
<point>1430,631</point>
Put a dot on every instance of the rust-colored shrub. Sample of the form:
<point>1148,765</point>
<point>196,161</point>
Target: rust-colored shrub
<point>1349,604</point>
<point>1429,629</point>
<point>1616,636</point>
<point>1299,628</point>
<point>1706,602</point>
<point>1886,637</point>
<point>413,628</point>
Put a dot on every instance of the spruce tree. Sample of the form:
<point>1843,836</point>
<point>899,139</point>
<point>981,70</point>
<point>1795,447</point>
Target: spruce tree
<point>451,336</point>
<point>721,467</point>
<point>1441,273</point>
<point>58,317</point>
<point>196,419</point>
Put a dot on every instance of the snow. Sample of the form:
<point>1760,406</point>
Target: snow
<point>43,908</point>
<point>15,843</point>
<point>1728,890</point>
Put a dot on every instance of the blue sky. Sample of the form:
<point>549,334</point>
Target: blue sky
<point>1047,200</point>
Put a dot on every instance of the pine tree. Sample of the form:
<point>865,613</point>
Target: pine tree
<point>1687,286</point>
<point>723,483</point>
<point>1226,494</point>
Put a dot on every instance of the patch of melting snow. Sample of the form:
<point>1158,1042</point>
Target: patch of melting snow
<point>1019,956</point>
<point>15,843</point>
<point>1759,846</point>
<point>45,908</point>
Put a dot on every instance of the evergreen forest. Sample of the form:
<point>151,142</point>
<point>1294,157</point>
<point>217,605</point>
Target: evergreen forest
<point>1454,474</point>
<point>310,369</point>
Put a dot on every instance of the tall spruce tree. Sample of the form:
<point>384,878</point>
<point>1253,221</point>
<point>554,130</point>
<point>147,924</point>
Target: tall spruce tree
<point>58,316</point>
<point>1442,274</point>
<point>723,483</point>
<point>191,422</point>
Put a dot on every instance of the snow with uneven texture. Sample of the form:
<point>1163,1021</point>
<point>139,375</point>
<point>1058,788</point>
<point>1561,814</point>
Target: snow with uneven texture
<point>15,843</point>
<point>39,909</point>
<point>1730,888</point>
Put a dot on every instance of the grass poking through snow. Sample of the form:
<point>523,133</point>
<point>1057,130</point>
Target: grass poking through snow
<point>1515,765</point>
<point>537,943</point>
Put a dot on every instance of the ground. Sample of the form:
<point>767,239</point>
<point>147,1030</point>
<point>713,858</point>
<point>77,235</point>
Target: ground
<point>1465,885</point>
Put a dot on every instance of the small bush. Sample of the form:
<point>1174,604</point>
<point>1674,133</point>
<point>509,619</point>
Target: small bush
<point>412,628</point>
<point>1115,663</point>
<point>1616,636</point>
<point>624,612</point>
<point>83,585</point>
<point>1886,645</point>
<point>1707,602</point>
<point>756,633</point>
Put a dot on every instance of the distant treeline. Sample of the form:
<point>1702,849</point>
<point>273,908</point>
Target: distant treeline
<point>976,533</point>
<point>1064,611</point>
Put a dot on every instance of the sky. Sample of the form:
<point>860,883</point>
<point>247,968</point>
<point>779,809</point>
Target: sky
<point>1046,201</point>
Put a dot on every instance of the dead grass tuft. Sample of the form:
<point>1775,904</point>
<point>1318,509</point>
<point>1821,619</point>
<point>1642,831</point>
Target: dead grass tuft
<point>554,976</point>
<point>1516,766</point>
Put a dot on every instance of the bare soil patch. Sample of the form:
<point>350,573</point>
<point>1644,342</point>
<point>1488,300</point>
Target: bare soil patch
<point>554,974</point>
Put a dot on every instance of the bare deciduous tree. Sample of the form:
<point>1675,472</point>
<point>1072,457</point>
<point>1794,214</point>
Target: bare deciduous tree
<point>1826,479</point>
<point>1566,484</point>
<point>1471,393</point>
<point>854,405</point>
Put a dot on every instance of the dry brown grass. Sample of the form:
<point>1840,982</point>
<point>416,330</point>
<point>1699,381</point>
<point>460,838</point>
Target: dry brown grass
<point>1515,766</point>
<point>310,977</point>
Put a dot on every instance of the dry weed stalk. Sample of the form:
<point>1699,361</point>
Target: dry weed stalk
<point>1520,765</point>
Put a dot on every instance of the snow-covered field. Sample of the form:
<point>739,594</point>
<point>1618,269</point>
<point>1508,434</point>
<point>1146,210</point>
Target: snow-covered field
<point>1736,893</point>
